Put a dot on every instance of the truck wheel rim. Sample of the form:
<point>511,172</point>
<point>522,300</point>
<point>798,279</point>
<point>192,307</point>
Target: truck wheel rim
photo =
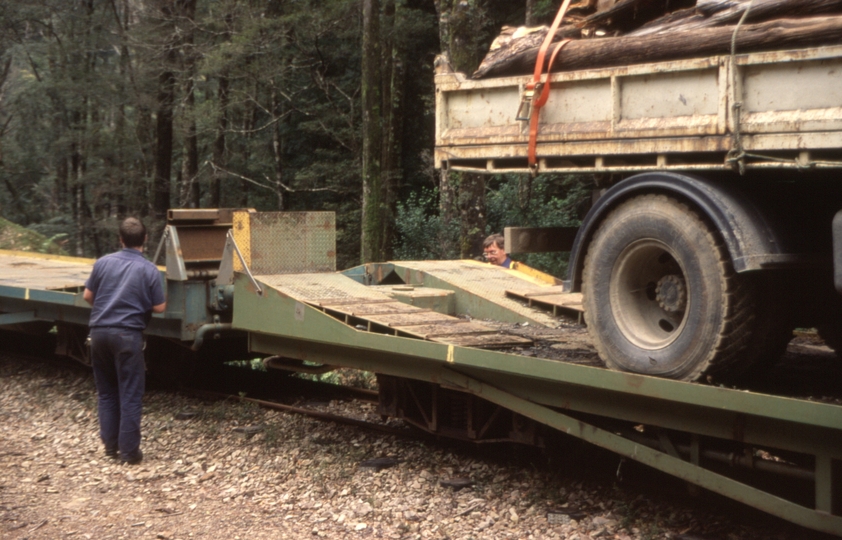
<point>649,296</point>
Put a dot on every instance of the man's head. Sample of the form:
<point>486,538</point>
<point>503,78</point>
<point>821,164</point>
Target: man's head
<point>494,249</point>
<point>132,233</point>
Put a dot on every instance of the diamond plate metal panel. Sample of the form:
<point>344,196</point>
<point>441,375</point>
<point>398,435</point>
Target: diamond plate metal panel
<point>286,242</point>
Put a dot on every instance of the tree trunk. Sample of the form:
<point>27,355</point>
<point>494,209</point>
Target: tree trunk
<point>249,122</point>
<point>458,24</point>
<point>190,195</point>
<point>62,173</point>
<point>372,81</point>
<point>278,148</point>
<point>78,198</point>
<point>145,133</point>
<point>163,149</point>
<point>471,214</point>
<point>219,154</point>
<point>529,18</point>
<point>392,107</point>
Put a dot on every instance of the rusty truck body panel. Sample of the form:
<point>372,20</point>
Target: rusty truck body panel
<point>784,108</point>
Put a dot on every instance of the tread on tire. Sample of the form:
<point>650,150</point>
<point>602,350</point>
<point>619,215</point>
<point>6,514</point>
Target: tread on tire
<point>660,294</point>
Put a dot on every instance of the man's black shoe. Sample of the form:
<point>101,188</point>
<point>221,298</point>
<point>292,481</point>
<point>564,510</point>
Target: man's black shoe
<point>135,459</point>
<point>112,453</point>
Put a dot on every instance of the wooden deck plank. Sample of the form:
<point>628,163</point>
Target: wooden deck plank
<point>458,326</point>
<point>551,298</point>
<point>398,320</point>
<point>484,341</point>
<point>379,308</point>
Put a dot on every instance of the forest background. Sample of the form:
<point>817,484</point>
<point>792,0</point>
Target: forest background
<point>110,108</point>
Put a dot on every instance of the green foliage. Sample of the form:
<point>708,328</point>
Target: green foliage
<point>255,364</point>
<point>422,234</point>
<point>80,111</point>
<point>511,201</point>
<point>543,201</point>
<point>353,378</point>
<point>545,10</point>
<point>16,238</point>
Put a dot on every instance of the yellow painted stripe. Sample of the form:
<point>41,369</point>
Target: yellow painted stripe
<point>542,277</point>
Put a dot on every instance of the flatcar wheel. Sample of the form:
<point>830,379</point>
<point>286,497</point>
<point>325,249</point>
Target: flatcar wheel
<point>660,295</point>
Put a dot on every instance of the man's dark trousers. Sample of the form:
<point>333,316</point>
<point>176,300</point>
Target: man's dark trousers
<point>117,358</point>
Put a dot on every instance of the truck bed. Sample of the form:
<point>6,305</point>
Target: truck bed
<point>676,115</point>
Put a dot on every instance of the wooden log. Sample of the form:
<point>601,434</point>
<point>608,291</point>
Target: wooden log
<point>591,53</point>
<point>512,41</point>
<point>720,13</point>
<point>502,49</point>
<point>629,14</point>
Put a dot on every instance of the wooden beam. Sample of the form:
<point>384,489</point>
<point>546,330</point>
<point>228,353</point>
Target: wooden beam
<point>539,239</point>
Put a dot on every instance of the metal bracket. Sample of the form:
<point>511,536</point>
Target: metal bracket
<point>225,272</point>
<point>176,269</point>
<point>161,244</point>
<point>225,276</point>
<point>524,110</point>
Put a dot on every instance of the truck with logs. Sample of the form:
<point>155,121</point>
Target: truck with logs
<point>717,223</point>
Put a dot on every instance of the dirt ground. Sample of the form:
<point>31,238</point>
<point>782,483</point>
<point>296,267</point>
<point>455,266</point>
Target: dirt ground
<point>204,476</point>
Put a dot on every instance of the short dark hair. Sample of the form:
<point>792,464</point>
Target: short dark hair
<point>132,232</point>
<point>495,239</point>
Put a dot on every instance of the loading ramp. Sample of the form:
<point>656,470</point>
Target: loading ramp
<point>483,291</point>
<point>371,310</point>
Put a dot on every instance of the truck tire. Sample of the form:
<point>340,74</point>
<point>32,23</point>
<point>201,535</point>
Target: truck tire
<point>660,295</point>
<point>771,333</point>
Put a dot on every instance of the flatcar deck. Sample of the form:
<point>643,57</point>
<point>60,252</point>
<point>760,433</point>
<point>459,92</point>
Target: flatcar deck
<point>46,272</point>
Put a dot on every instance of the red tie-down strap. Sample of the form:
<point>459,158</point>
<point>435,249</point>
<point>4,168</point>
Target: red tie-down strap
<point>536,111</point>
<point>536,81</point>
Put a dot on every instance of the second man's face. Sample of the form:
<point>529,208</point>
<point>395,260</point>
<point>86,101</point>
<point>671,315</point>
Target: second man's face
<point>494,254</point>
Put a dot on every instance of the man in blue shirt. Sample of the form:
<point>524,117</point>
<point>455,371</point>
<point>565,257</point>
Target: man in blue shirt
<point>124,289</point>
<point>495,252</point>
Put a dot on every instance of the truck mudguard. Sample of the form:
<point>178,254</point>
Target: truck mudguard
<point>749,236</point>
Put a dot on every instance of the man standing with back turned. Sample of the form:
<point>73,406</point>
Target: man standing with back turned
<point>124,290</point>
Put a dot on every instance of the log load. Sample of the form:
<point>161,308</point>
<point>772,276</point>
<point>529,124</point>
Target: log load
<point>707,28</point>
